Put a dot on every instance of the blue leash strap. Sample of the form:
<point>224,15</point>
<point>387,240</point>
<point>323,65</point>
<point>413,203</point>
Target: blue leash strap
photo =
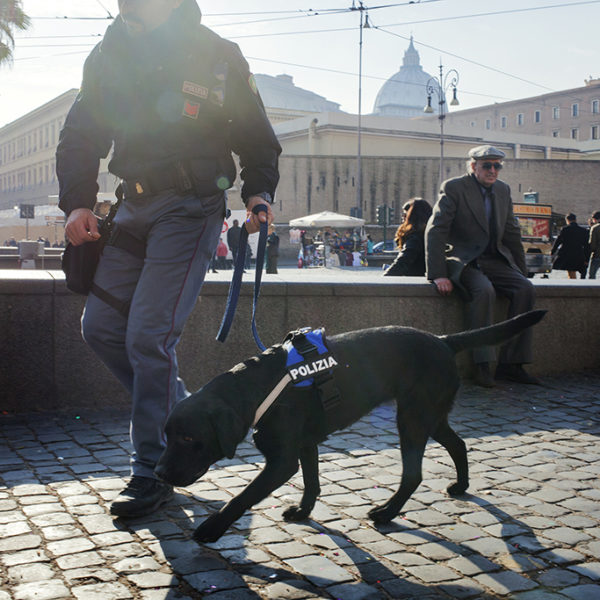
<point>236,281</point>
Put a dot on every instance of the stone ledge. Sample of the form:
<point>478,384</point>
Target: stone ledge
<point>45,363</point>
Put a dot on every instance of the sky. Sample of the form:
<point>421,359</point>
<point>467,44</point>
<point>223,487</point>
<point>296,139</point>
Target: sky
<point>502,51</point>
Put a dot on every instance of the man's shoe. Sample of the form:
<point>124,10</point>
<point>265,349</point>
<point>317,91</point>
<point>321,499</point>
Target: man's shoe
<point>141,496</point>
<point>515,373</point>
<point>482,375</point>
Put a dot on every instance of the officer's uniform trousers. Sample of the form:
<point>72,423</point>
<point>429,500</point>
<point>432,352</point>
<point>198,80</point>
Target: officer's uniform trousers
<point>496,275</point>
<point>181,233</point>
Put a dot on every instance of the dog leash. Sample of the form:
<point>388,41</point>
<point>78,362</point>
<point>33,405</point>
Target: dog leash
<point>236,281</point>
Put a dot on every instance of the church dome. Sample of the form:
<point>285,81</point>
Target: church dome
<point>405,93</point>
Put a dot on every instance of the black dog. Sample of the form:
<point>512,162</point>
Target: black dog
<point>415,368</point>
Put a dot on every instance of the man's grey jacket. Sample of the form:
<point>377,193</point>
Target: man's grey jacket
<point>458,230</point>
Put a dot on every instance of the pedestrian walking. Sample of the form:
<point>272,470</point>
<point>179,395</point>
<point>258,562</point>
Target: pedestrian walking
<point>571,248</point>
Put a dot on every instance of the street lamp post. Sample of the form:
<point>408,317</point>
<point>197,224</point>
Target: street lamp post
<point>440,86</point>
<point>364,24</point>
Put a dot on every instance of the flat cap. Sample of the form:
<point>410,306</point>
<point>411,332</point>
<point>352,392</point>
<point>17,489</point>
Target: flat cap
<point>486,151</point>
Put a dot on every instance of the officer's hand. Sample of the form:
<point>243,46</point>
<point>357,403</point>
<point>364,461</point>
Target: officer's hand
<point>253,221</point>
<point>444,285</point>
<point>82,226</point>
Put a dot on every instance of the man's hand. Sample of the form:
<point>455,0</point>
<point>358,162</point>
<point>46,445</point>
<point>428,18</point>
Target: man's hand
<point>444,285</point>
<point>82,226</point>
<point>253,221</point>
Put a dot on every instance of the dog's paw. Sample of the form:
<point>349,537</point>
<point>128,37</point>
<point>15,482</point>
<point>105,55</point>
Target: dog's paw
<point>381,515</point>
<point>296,513</point>
<point>457,489</point>
<point>209,530</point>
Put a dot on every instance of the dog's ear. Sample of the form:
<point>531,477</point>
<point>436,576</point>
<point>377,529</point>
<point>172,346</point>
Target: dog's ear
<point>228,428</point>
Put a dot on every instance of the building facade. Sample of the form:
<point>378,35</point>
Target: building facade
<point>569,114</point>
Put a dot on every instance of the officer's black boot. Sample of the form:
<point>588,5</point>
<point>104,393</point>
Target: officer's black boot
<point>141,496</point>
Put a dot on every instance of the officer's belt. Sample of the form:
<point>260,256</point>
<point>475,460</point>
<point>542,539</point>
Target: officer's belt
<point>176,176</point>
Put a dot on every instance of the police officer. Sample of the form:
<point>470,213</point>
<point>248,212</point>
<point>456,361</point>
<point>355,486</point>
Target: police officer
<point>173,100</point>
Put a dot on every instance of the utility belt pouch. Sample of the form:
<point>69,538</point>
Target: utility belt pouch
<point>79,263</point>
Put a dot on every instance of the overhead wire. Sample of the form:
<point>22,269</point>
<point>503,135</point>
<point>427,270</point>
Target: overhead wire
<point>334,11</point>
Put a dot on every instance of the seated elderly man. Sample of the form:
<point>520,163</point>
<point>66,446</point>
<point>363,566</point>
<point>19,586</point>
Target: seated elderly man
<point>473,243</point>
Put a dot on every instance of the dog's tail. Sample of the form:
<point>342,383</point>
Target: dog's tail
<point>494,334</point>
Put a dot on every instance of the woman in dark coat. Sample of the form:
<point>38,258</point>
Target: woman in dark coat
<point>410,241</point>
<point>571,248</point>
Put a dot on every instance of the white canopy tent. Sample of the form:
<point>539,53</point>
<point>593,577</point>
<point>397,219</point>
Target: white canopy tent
<point>327,219</point>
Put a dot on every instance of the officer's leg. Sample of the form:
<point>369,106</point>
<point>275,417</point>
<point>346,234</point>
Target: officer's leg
<point>521,295</point>
<point>479,311</point>
<point>179,249</point>
<point>102,326</point>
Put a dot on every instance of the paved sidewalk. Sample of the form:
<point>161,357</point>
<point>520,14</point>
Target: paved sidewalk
<point>528,530</point>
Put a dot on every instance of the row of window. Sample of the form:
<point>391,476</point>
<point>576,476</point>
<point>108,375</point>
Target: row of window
<point>537,115</point>
<point>574,132</point>
<point>28,178</point>
<point>31,142</point>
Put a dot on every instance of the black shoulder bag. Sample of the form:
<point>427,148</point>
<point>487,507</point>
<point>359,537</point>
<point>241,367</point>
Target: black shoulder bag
<point>79,263</point>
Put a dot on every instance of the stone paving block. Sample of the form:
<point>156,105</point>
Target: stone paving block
<point>433,573</point>
<point>24,557</point>
<point>79,559</point>
<point>521,563</point>
<point>42,590</point>
<point>290,549</point>
<point>243,556</point>
<point>11,516</point>
<point>267,535</point>
<point>319,570</point>
<point>20,542</point>
<point>98,523</point>
<point>567,535</point>
<point>123,551</point>
<point>355,591</point>
<point>30,573</point>
<point>60,532</point>
<point>459,532</point>
<point>505,582</point>
<point>290,590</point>
<point>582,592</point>
<point>537,595</point>
<point>153,580</point>
<point>213,581</point>
<point>135,565</point>
<point>71,546</point>
<point>15,528</point>
<point>590,569</point>
<point>408,559</point>
<point>74,576</point>
<point>42,509</point>
<point>489,546</point>
<point>428,518</point>
<point>196,562</point>
<point>102,591</point>
<point>228,542</point>
<point>462,588</point>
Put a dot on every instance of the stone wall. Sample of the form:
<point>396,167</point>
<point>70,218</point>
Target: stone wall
<point>313,184</point>
<point>44,363</point>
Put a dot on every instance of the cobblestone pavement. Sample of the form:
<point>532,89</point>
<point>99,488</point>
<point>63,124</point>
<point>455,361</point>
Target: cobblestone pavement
<point>529,528</point>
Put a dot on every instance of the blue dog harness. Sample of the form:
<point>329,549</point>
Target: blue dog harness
<point>307,356</point>
<point>309,364</point>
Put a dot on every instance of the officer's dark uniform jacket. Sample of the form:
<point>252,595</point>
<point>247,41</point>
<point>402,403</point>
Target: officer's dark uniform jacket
<point>180,96</point>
